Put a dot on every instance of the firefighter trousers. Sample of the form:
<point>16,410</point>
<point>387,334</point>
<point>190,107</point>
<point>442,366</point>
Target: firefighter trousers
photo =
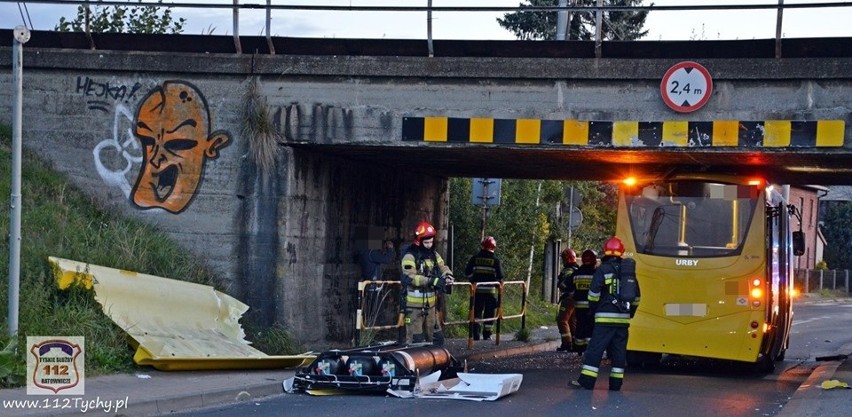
<point>421,324</point>
<point>566,321</point>
<point>613,340</point>
<point>484,307</point>
<point>582,332</point>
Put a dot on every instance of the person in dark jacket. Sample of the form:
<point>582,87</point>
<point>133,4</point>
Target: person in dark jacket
<point>565,282</point>
<point>371,260</point>
<point>612,320</point>
<point>484,267</point>
<point>583,321</point>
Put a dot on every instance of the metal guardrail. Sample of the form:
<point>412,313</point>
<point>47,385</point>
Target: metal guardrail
<point>371,297</point>
<point>373,294</point>
<point>499,316</point>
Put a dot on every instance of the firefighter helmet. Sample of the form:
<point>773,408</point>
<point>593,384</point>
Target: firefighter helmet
<point>489,243</point>
<point>613,247</point>
<point>589,257</point>
<point>568,256</point>
<point>424,230</point>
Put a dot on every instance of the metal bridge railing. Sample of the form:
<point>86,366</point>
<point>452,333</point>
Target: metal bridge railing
<point>563,8</point>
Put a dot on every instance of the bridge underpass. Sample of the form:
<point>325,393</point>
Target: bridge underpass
<point>347,159</point>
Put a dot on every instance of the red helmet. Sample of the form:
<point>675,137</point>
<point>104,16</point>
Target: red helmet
<point>489,243</point>
<point>589,257</point>
<point>613,247</point>
<point>568,256</point>
<point>424,230</point>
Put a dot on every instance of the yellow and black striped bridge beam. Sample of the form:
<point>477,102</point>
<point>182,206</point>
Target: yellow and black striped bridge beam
<point>717,133</point>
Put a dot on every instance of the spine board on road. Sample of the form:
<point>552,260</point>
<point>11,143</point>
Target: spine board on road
<point>375,368</point>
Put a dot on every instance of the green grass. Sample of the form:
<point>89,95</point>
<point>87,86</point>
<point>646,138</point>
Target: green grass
<point>58,220</point>
<point>829,293</point>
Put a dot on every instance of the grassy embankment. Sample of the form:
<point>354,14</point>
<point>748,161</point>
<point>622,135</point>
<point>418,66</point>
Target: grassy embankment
<point>59,220</point>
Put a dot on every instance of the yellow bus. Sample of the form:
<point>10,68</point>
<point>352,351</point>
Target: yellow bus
<point>714,258</point>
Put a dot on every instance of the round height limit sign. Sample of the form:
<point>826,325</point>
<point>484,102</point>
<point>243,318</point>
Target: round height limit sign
<point>686,87</point>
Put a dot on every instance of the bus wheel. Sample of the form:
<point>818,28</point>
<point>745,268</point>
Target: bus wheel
<point>765,365</point>
<point>781,355</point>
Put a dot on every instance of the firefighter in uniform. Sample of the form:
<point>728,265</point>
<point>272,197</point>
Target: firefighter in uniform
<point>484,267</point>
<point>424,275</point>
<point>612,320</point>
<point>565,283</point>
<point>584,321</point>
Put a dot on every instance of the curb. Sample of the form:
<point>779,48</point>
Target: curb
<point>807,401</point>
<point>520,350</point>
<point>802,402</point>
<point>183,403</point>
<point>206,400</point>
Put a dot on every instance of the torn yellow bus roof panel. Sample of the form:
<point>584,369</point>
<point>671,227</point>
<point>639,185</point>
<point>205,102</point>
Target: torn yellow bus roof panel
<point>175,324</point>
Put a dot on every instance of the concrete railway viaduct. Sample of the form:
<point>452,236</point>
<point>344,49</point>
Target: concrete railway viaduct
<point>269,165</point>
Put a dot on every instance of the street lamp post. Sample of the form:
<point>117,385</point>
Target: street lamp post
<point>22,35</point>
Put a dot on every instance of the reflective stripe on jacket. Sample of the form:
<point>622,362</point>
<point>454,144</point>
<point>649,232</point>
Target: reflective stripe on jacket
<point>419,291</point>
<point>601,298</point>
<point>484,267</point>
<point>582,281</point>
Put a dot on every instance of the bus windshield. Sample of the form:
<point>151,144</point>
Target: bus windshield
<point>690,218</point>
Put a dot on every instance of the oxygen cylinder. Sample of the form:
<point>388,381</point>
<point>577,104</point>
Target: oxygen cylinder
<point>423,359</point>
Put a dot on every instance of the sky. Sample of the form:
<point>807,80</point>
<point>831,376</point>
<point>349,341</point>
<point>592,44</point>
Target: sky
<point>662,25</point>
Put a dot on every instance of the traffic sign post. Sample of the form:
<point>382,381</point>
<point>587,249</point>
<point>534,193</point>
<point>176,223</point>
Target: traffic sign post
<point>485,194</point>
<point>686,87</point>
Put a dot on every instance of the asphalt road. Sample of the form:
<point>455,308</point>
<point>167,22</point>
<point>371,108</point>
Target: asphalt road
<point>677,387</point>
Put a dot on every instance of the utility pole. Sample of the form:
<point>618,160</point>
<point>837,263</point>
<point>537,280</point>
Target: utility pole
<point>484,210</point>
<point>570,214</point>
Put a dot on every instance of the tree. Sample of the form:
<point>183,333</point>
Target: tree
<point>541,25</point>
<point>518,223</point>
<point>837,228</point>
<point>123,19</point>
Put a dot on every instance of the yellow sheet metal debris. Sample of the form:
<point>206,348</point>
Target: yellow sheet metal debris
<point>834,383</point>
<point>174,325</point>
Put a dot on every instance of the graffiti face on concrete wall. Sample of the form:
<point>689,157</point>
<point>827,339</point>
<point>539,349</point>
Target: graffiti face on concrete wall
<point>173,125</point>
